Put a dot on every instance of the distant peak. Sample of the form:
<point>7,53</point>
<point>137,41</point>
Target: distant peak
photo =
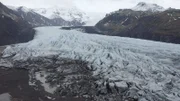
<point>142,6</point>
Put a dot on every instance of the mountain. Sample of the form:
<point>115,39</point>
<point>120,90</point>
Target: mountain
<point>142,6</point>
<point>99,67</point>
<point>145,21</point>
<point>55,16</point>
<point>36,19</point>
<point>73,15</point>
<point>13,28</point>
<point>70,14</point>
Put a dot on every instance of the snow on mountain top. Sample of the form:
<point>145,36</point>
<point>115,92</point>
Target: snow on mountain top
<point>142,6</point>
<point>67,13</point>
<point>153,67</point>
<point>25,9</point>
<point>12,7</point>
<point>22,8</point>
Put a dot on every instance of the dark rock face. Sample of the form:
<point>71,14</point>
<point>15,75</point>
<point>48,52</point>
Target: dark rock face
<point>158,26</point>
<point>13,29</point>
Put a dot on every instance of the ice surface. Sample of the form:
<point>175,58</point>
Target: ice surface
<point>41,76</point>
<point>151,66</point>
<point>4,63</point>
<point>5,97</point>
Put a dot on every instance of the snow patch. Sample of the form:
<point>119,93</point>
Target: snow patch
<point>4,63</point>
<point>24,9</point>
<point>12,7</point>
<point>142,6</point>
<point>41,76</point>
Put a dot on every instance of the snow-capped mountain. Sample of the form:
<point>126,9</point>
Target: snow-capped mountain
<point>58,16</point>
<point>52,16</point>
<point>34,18</point>
<point>142,6</point>
<point>135,68</point>
<point>68,14</point>
<point>22,8</point>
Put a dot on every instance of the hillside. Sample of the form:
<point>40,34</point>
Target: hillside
<point>145,21</point>
<point>13,29</point>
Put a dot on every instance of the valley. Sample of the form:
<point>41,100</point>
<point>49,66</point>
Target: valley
<point>62,53</point>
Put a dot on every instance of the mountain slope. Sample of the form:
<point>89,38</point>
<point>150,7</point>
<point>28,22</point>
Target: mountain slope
<point>13,29</point>
<point>153,24</point>
<point>139,69</point>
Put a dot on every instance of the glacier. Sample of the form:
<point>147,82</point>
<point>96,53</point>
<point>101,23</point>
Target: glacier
<point>152,67</point>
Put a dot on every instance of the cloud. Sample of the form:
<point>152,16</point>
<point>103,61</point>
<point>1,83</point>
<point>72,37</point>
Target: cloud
<point>112,5</point>
<point>90,5</point>
<point>37,3</point>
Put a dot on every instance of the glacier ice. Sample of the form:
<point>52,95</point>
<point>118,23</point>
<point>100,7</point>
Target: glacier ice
<point>152,67</point>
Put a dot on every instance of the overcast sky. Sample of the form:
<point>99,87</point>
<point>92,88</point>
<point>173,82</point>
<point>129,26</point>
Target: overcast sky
<point>90,5</point>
